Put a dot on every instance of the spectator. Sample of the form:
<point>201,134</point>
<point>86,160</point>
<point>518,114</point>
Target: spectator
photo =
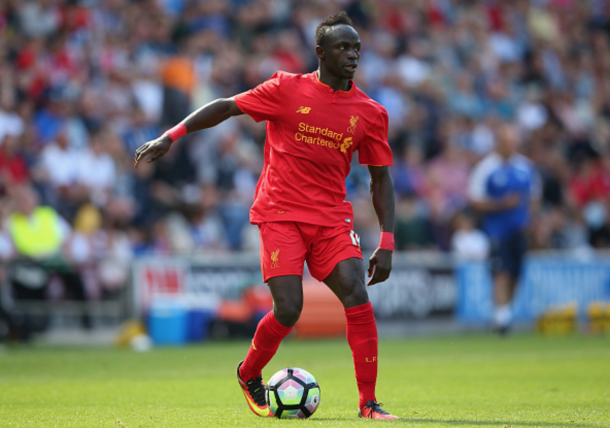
<point>96,170</point>
<point>39,246</point>
<point>58,174</point>
<point>502,188</point>
<point>467,242</point>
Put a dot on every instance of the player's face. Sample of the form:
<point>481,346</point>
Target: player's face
<point>508,141</point>
<point>341,51</point>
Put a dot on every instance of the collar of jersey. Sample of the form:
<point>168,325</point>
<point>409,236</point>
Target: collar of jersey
<point>515,158</point>
<point>330,90</point>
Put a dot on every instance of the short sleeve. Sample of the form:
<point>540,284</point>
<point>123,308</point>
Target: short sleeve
<point>374,149</point>
<point>263,102</point>
<point>476,184</point>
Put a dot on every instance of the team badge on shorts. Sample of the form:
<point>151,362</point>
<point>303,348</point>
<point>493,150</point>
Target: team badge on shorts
<point>275,259</point>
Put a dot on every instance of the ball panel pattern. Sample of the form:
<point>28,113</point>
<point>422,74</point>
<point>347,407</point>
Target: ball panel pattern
<point>293,393</point>
<point>276,378</point>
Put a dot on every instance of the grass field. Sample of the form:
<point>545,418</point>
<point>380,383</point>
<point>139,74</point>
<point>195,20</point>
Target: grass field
<point>469,381</point>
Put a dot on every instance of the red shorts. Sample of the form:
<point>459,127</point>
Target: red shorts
<point>286,245</point>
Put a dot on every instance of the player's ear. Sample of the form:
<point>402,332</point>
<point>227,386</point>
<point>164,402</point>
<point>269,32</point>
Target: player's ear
<point>320,52</point>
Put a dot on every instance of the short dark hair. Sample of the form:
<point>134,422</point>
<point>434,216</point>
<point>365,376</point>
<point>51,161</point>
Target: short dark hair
<point>336,18</point>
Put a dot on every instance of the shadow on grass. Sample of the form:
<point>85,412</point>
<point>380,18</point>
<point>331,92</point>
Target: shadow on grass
<point>496,423</point>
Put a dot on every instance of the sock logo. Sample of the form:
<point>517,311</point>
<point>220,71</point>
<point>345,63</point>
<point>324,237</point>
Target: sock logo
<point>370,360</point>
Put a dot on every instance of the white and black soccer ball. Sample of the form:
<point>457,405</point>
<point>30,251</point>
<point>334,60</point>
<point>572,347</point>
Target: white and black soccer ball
<point>293,393</point>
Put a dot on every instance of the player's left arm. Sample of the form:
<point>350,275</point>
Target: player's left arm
<point>382,194</point>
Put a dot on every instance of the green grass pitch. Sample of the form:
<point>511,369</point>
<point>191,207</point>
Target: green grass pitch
<point>464,381</point>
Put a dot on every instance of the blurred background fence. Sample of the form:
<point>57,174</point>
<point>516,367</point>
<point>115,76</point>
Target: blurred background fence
<point>190,298</point>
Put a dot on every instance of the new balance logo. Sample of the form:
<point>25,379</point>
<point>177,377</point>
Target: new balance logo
<point>304,110</point>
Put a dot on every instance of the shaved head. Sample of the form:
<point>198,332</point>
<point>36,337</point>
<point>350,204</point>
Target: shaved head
<point>325,27</point>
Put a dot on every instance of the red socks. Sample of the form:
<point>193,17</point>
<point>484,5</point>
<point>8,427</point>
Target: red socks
<point>267,338</point>
<point>362,338</point>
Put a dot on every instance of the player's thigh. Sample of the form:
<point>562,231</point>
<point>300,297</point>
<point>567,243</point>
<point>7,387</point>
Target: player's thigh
<point>329,246</point>
<point>517,248</point>
<point>507,255</point>
<point>287,293</point>
<point>499,257</point>
<point>347,282</point>
<point>283,250</point>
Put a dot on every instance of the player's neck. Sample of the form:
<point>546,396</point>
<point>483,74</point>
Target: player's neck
<point>506,157</point>
<point>333,81</point>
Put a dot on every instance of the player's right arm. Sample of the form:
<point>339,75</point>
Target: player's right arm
<point>207,116</point>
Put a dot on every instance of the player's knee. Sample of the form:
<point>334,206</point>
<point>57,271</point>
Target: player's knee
<point>356,295</point>
<point>288,313</point>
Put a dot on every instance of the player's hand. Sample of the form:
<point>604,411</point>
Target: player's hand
<point>156,148</point>
<point>380,265</point>
<point>511,201</point>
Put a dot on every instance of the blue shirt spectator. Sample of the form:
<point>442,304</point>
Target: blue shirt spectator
<point>504,187</point>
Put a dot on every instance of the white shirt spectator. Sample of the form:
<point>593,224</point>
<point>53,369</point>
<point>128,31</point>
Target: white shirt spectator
<point>413,70</point>
<point>10,124</point>
<point>531,116</point>
<point>96,171</point>
<point>470,245</point>
<point>61,164</point>
<point>505,47</point>
<point>38,20</point>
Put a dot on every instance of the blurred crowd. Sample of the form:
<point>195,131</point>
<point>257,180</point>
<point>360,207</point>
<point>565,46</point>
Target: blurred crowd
<point>83,83</point>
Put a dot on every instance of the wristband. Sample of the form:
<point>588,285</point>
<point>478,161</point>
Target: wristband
<point>176,132</point>
<point>387,241</point>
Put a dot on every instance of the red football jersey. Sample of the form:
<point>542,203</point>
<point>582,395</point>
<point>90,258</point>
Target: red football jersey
<point>312,132</point>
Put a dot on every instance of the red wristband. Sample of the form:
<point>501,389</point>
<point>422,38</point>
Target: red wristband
<point>387,241</point>
<point>177,132</point>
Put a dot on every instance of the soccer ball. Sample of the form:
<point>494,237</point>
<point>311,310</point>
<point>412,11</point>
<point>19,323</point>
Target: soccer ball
<point>293,393</point>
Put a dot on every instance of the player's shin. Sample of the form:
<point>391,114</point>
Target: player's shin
<point>267,339</point>
<point>362,339</point>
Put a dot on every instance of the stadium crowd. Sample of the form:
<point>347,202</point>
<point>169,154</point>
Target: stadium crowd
<point>83,83</point>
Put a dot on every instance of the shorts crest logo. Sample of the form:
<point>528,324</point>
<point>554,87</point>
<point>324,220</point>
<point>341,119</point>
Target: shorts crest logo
<point>275,262</point>
<point>303,110</point>
<point>353,121</point>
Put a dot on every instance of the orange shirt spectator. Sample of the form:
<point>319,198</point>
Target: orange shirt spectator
<point>179,73</point>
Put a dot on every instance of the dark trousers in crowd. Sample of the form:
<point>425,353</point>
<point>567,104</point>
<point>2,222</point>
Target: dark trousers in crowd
<point>30,280</point>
